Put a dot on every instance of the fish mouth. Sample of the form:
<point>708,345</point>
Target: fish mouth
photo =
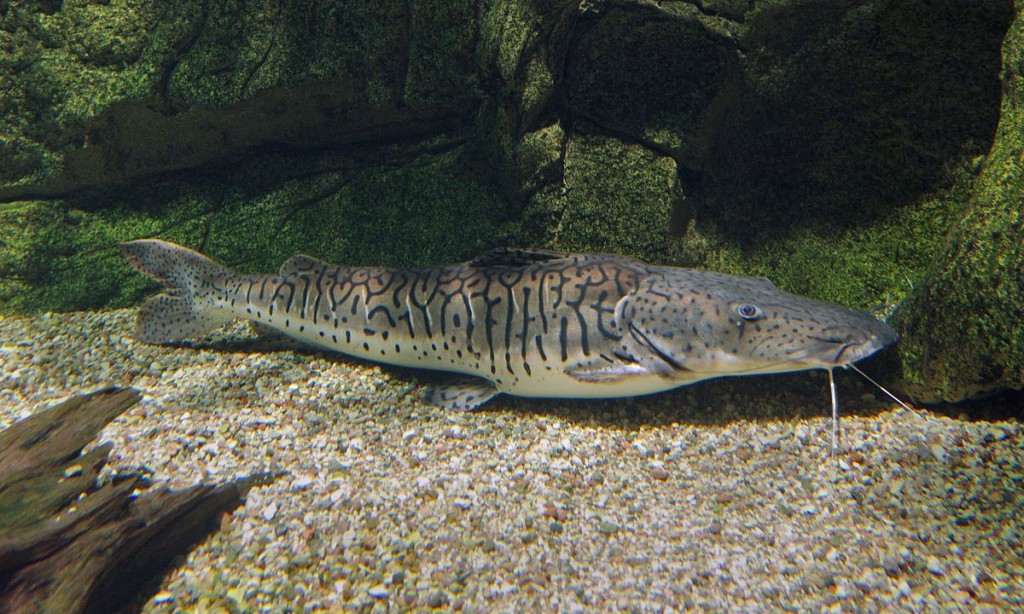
<point>832,351</point>
<point>824,354</point>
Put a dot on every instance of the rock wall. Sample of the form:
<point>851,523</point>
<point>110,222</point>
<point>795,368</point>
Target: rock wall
<point>963,328</point>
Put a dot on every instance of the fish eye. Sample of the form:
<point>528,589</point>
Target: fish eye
<point>748,311</point>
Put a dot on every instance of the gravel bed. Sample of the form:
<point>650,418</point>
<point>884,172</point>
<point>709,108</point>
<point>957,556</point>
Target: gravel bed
<point>721,496</point>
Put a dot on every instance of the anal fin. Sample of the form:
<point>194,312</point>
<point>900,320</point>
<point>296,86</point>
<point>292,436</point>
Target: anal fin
<point>462,394</point>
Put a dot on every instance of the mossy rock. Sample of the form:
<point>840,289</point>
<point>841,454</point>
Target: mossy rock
<point>871,267</point>
<point>616,198</point>
<point>62,256</point>
<point>963,328</point>
<point>845,112</point>
<point>76,71</point>
<point>652,72</point>
<point>253,130</point>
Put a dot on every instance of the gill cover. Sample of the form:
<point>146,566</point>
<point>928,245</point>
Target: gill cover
<point>641,351</point>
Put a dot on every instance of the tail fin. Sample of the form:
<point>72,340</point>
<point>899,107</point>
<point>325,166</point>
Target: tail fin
<point>187,307</point>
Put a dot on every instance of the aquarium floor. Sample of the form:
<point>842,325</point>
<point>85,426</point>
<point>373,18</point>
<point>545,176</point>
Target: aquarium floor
<point>721,496</point>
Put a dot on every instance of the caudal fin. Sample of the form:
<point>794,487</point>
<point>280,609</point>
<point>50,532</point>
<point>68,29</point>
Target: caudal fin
<point>187,307</point>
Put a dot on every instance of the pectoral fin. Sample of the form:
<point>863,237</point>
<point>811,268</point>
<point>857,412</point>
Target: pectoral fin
<point>607,369</point>
<point>606,373</point>
<point>463,394</point>
<point>622,368</point>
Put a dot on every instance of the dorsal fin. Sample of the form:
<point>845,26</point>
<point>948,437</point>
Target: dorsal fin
<point>301,264</point>
<point>515,257</point>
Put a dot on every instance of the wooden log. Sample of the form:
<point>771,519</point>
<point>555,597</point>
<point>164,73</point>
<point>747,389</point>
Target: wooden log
<point>70,545</point>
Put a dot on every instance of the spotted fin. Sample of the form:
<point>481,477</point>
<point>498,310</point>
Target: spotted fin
<point>463,393</point>
<point>185,308</point>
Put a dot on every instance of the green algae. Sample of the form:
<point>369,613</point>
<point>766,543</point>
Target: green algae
<point>67,66</point>
<point>107,98</point>
<point>508,33</point>
<point>615,197</point>
<point>55,258</point>
<point>435,208</point>
<point>649,72</point>
<point>870,267</point>
<point>963,328</point>
<point>844,113</point>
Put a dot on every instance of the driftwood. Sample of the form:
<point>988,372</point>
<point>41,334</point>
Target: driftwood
<point>68,544</point>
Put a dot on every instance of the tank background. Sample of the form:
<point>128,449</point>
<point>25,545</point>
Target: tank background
<point>860,152</point>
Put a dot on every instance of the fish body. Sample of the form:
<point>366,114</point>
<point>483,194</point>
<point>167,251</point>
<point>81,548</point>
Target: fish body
<point>530,323</point>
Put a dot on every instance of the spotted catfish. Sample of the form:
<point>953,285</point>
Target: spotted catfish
<point>525,322</point>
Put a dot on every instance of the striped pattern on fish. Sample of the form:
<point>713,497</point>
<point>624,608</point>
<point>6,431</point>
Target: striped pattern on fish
<point>530,323</point>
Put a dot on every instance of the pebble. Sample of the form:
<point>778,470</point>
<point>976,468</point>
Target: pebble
<point>903,589</point>
<point>608,528</point>
<point>384,503</point>
<point>437,599</point>
<point>659,473</point>
<point>963,597</point>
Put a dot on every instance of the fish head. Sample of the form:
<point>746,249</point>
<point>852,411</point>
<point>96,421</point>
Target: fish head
<point>690,324</point>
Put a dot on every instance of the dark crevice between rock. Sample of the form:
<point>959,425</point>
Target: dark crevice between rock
<point>846,112</point>
<point>180,50</point>
<point>136,140</point>
<point>733,10</point>
<point>1005,405</point>
<point>833,113</point>
<point>626,71</point>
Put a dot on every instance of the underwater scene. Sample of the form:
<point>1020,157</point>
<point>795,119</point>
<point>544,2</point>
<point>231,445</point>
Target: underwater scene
<point>512,306</point>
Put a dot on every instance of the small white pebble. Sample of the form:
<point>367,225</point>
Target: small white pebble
<point>903,589</point>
